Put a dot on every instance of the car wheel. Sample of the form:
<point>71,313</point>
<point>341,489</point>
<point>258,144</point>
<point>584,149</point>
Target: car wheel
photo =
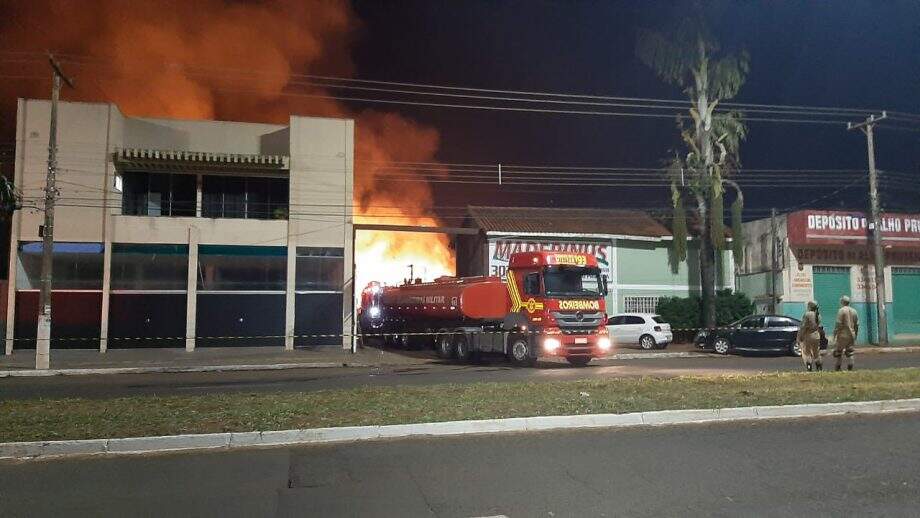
<point>519,352</point>
<point>647,342</point>
<point>722,346</point>
<point>795,348</point>
<point>444,346</point>
<point>462,348</point>
<point>578,361</point>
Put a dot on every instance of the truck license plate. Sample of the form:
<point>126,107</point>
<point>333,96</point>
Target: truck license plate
<point>581,340</point>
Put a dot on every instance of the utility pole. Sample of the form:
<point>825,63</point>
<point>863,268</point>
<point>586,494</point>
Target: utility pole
<point>43,334</point>
<point>867,128</point>
<point>773,298</point>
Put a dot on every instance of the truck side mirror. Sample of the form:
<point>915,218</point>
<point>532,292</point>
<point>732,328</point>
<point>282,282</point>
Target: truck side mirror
<point>604,285</point>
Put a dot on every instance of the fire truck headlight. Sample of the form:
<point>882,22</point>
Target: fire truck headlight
<point>551,344</point>
<point>374,312</point>
<point>603,343</point>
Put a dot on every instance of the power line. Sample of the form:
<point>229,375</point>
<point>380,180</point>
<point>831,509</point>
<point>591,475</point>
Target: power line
<point>332,82</point>
<point>222,71</point>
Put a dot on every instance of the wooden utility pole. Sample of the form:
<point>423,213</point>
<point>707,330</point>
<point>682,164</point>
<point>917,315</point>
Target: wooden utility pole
<point>773,298</point>
<point>879,253</point>
<point>43,334</point>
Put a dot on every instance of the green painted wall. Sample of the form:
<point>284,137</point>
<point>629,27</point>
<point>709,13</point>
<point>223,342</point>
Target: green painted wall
<point>642,262</point>
<point>756,285</point>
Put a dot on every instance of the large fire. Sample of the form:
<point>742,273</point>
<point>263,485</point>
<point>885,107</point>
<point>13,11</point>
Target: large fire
<point>234,61</point>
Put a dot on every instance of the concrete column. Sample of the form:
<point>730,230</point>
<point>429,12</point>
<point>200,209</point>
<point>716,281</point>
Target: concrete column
<point>106,290</point>
<point>191,299</point>
<point>290,295</point>
<point>198,196</point>
<point>11,287</point>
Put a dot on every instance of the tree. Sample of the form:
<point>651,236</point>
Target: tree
<point>9,198</point>
<point>690,58</point>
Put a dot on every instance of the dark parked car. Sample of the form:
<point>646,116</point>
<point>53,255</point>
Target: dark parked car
<point>756,333</point>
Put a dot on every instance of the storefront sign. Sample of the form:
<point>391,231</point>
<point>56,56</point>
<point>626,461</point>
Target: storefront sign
<point>800,287</point>
<point>839,228</point>
<point>863,284</point>
<point>853,254</point>
<point>500,251</point>
<point>840,237</point>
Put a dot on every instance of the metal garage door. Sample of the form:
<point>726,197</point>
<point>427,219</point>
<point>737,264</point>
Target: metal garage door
<point>831,283</point>
<point>906,301</point>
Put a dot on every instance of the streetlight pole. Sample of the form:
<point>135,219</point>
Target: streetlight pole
<point>867,128</point>
<point>43,333</point>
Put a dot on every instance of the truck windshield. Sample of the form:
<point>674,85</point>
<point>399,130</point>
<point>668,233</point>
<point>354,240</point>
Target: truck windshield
<point>572,281</point>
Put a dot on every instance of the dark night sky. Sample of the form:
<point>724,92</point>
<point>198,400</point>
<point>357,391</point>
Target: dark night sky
<point>857,54</point>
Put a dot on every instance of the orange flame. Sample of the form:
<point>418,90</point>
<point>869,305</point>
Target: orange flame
<point>233,61</point>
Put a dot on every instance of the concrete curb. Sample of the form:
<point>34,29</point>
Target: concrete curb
<point>236,440</point>
<point>31,373</point>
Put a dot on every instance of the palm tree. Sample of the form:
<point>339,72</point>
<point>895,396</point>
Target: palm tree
<point>691,59</point>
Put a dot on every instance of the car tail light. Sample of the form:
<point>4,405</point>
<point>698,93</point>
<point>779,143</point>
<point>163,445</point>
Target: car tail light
<point>658,328</point>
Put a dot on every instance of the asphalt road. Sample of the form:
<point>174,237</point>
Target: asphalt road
<point>105,386</point>
<point>845,466</point>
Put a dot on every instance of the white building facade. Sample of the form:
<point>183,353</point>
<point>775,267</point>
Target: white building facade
<point>183,233</point>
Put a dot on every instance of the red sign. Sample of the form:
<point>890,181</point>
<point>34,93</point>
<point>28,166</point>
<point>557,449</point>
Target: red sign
<point>823,228</point>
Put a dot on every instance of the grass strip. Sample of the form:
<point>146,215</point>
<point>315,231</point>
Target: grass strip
<point>72,418</point>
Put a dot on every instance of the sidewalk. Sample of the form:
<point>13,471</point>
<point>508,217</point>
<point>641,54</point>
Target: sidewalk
<point>210,358</point>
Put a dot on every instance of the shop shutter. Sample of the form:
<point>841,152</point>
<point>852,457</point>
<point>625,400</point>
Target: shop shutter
<point>831,282</point>
<point>905,300</point>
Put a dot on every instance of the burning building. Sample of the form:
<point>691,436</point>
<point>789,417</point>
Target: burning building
<point>214,60</point>
<point>185,233</point>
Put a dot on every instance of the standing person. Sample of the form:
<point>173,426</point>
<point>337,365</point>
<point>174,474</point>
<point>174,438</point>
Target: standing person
<point>845,331</point>
<point>809,337</point>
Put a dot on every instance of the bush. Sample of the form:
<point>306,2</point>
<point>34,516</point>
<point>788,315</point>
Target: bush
<point>687,312</point>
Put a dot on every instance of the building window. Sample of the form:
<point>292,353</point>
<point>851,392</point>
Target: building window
<point>158,194</point>
<point>319,269</point>
<point>149,267</point>
<point>242,268</point>
<point>244,197</point>
<point>641,304</point>
<point>76,266</point>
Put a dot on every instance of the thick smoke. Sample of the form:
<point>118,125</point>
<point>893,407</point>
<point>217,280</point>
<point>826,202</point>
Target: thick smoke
<point>216,59</point>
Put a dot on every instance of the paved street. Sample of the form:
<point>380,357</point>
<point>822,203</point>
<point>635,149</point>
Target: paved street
<point>493,370</point>
<point>855,465</point>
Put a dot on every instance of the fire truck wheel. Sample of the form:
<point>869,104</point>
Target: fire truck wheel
<point>462,348</point>
<point>444,346</point>
<point>520,352</point>
<point>578,361</point>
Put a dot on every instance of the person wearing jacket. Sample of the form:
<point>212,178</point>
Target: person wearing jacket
<point>809,337</point>
<point>845,330</point>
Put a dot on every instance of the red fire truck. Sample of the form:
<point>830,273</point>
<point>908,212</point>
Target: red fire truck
<point>548,304</point>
